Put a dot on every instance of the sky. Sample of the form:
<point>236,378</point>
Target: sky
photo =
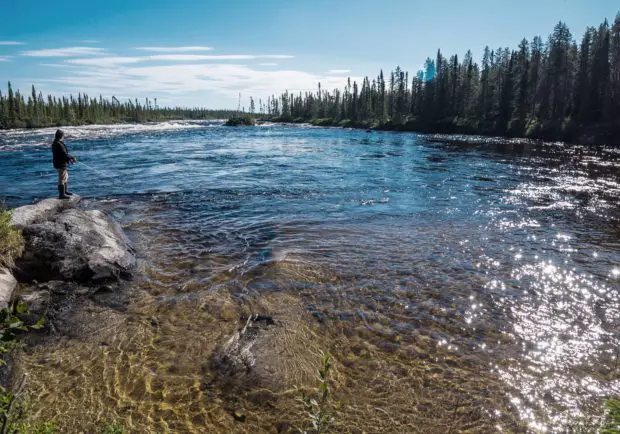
<point>205,53</point>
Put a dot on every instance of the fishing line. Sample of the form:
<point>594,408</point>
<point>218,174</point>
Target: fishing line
<point>95,170</point>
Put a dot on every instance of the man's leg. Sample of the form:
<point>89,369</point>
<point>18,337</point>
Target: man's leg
<point>67,184</point>
<point>63,176</point>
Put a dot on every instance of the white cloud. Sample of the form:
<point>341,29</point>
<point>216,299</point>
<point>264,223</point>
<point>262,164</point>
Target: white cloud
<point>173,49</point>
<point>338,71</point>
<point>268,64</point>
<point>11,43</point>
<point>275,56</point>
<point>187,80</point>
<point>123,60</point>
<point>55,65</point>
<point>65,52</point>
<point>105,61</point>
<point>195,57</point>
<point>5,59</point>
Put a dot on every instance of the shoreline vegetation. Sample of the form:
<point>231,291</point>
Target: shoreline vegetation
<point>553,90</point>
<point>241,120</point>
<point>39,111</point>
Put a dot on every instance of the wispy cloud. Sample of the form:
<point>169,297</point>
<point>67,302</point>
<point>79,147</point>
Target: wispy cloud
<point>173,49</point>
<point>65,52</point>
<point>11,43</point>
<point>338,71</point>
<point>5,59</point>
<point>268,64</point>
<point>105,61</point>
<point>184,80</point>
<point>124,60</point>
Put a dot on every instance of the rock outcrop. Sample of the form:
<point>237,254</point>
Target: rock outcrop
<point>74,245</point>
<point>7,286</point>
<point>43,210</point>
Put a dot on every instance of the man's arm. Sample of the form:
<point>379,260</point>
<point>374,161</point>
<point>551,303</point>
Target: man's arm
<point>68,157</point>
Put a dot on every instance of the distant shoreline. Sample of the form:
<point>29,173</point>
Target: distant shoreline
<point>120,122</point>
<point>585,139</point>
<point>589,140</point>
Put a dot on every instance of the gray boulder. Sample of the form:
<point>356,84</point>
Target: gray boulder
<point>75,245</point>
<point>29,214</point>
<point>7,286</point>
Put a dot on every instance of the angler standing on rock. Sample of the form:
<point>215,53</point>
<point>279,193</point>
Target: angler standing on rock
<point>62,159</point>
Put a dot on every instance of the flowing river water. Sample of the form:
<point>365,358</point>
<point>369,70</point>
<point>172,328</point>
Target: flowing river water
<point>457,285</point>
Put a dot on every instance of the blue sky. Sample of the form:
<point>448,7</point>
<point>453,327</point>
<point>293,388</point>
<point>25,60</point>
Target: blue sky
<point>203,53</point>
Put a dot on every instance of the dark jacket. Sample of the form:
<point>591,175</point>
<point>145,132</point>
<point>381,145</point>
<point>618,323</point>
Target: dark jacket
<point>60,154</point>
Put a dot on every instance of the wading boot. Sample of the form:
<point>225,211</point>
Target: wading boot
<point>61,192</point>
<point>67,192</point>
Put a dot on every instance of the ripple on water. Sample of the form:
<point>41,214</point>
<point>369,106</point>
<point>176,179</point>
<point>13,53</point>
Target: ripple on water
<point>457,284</point>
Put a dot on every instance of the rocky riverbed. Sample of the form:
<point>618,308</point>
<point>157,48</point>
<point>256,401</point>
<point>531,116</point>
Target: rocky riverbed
<point>456,285</point>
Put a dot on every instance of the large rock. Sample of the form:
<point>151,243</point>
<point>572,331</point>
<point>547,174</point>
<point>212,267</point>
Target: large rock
<point>29,214</point>
<point>7,286</point>
<point>75,245</point>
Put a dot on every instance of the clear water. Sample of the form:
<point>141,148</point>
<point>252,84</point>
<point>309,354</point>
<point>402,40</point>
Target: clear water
<point>494,258</point>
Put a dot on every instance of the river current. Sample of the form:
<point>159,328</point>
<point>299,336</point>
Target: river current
<point>456,282</point>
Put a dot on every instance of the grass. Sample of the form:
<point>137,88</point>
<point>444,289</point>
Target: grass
<point>612,424</point>
<point>11,241</point>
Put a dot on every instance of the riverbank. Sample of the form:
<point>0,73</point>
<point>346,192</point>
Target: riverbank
<point>606,135</point>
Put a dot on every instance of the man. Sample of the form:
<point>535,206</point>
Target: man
<point>62,159</point>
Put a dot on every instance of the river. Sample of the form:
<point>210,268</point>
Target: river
<point>456,284</point>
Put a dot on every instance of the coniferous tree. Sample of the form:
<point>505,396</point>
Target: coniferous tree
<point>614,77</point>
<point>521,76</point>
<point>40,111</point>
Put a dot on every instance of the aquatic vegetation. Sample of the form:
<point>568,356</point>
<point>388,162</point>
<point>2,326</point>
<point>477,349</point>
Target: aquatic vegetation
<point>113,428</point>
<point>11,409</point>
<point>318,407</point>
<point>11,325</point>
<point>11,241</point>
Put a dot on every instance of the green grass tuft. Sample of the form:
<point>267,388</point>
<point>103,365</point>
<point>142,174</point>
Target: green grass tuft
<point>11,241</point>
<point>612,425</point>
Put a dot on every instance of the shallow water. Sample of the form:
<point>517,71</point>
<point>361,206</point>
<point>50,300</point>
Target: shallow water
<point>485,272</point>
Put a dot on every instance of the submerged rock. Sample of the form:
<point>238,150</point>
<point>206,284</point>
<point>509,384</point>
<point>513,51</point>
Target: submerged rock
<point>236,356</point>
<point>8,283</point>
<point>73,310</point>
<point>252,359</point>
<point>267,354</point>
<point>75,245</point>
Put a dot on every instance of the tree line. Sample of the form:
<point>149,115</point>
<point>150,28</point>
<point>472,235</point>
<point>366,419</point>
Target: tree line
<point>556,89</point>
<point>36,110</point>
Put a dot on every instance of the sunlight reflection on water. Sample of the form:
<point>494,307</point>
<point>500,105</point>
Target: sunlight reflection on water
<point>504,259</point>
